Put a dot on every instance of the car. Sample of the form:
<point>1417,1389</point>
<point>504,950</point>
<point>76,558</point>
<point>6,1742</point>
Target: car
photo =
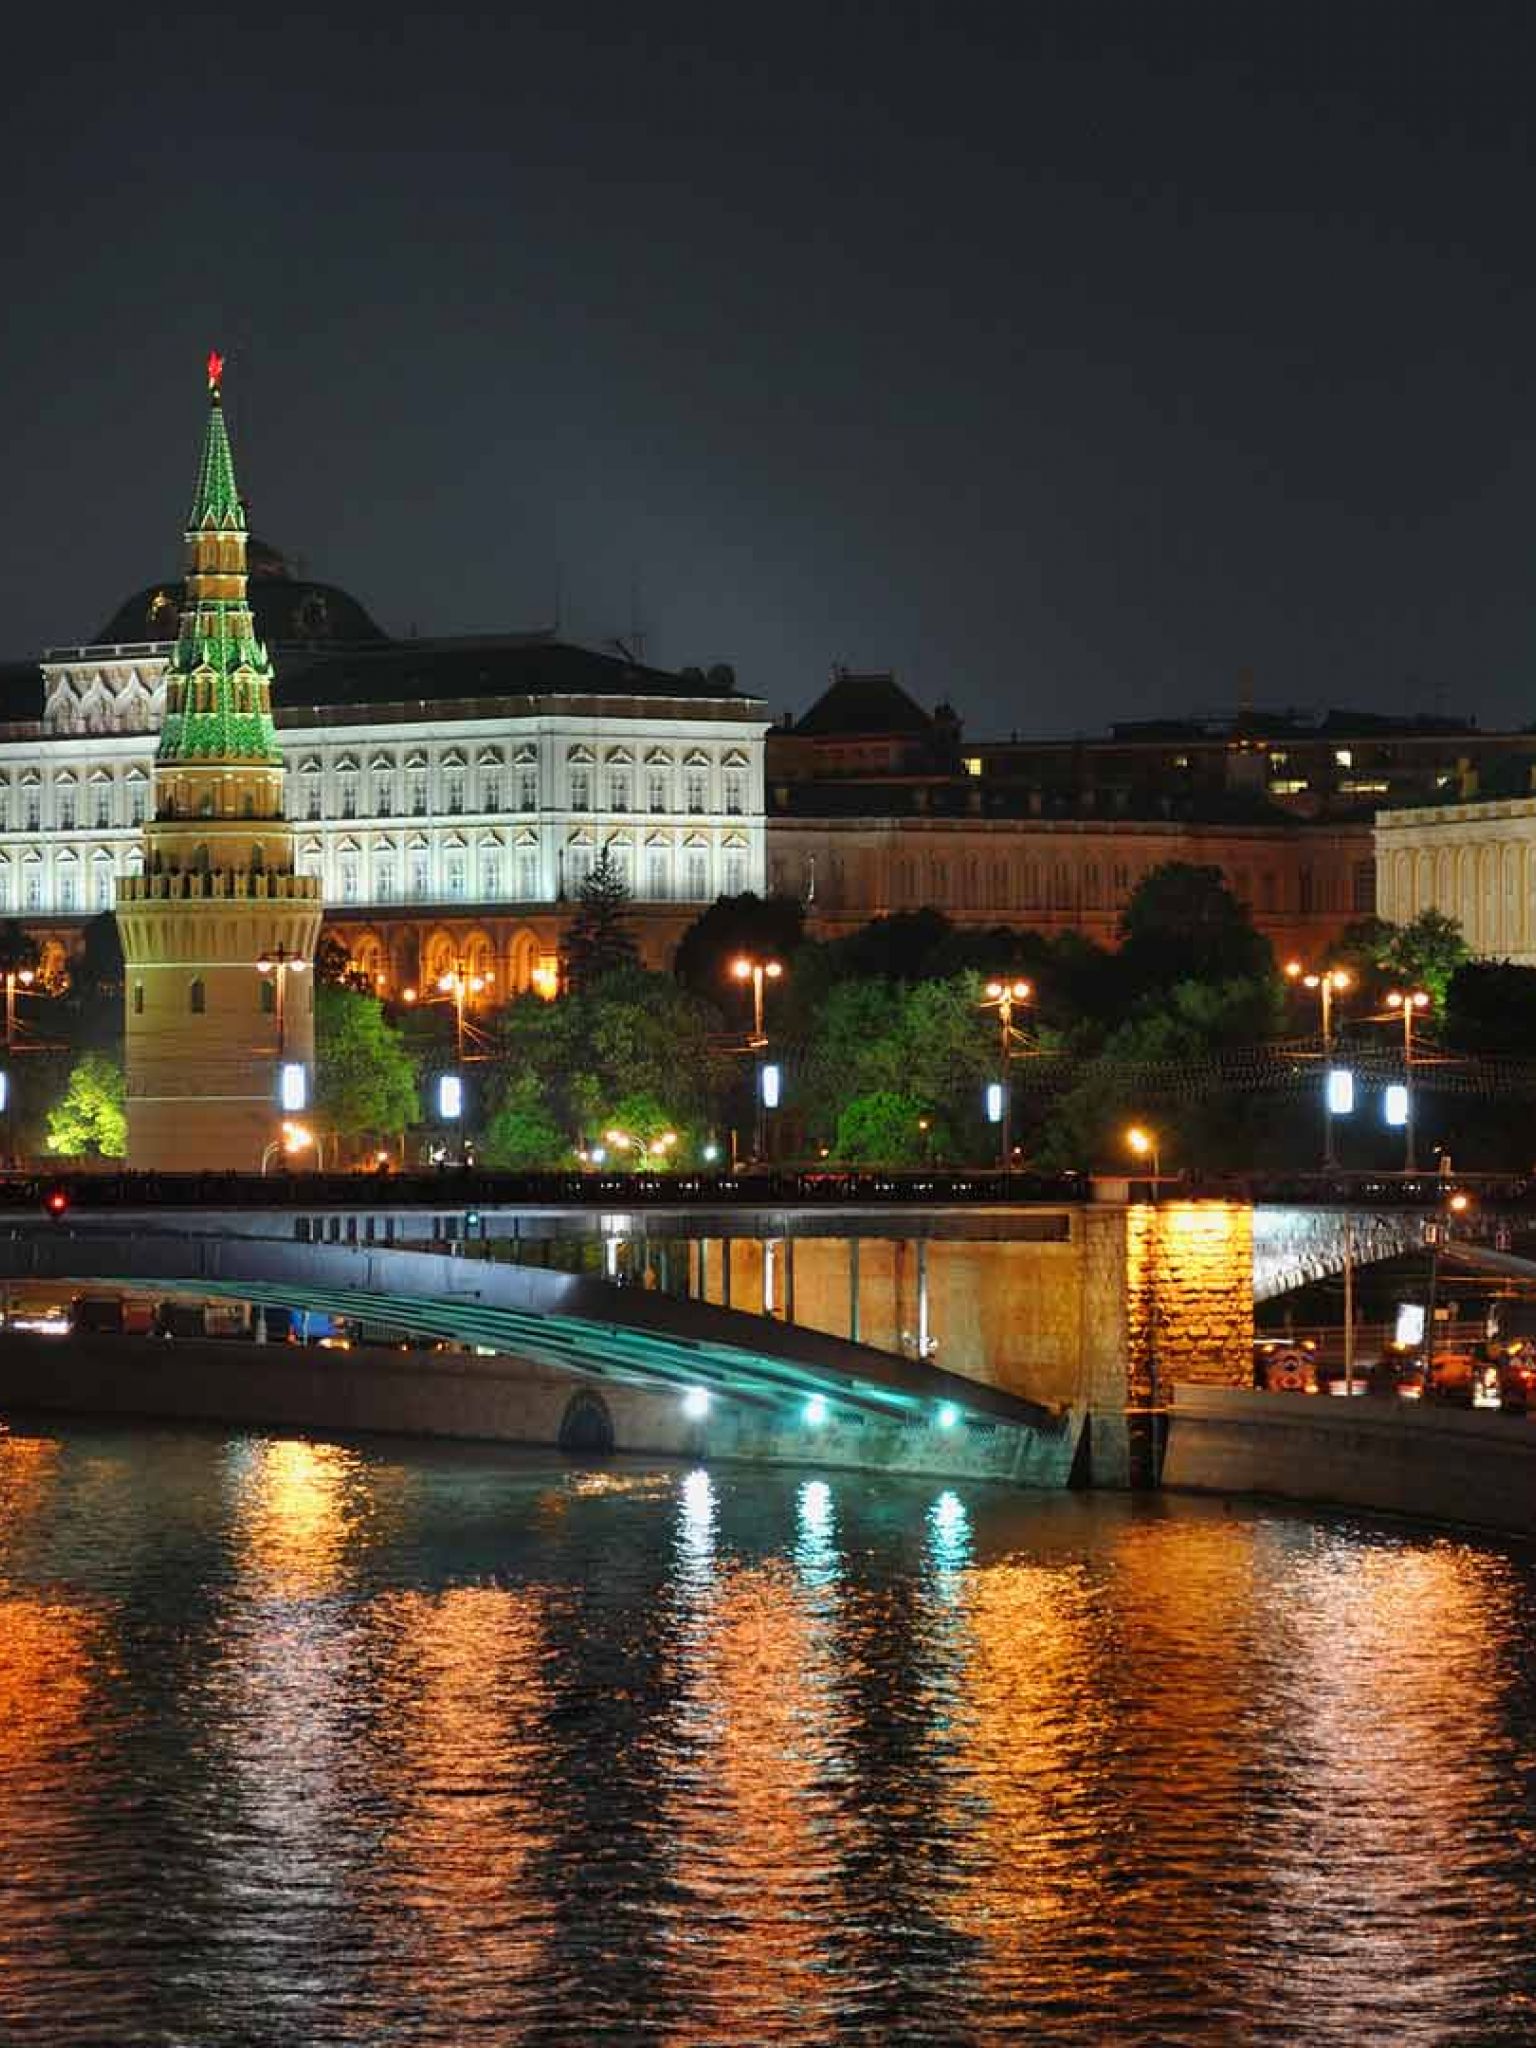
<point>1454,1377</point>
<point>1285,1365</point>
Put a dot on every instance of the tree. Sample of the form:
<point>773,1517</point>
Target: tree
<point>889,1127</point>
<point>334,969</point>
<point>18,948</point>
<point>599,942</point>
<point>1184,924</point>
<point>1160,1063</point>
<point>901,947</point>
<point>771,927</point>
<point>91,1119</point>
<point>1424,953</point>
<point>365,1083</point>
<point>1490,1007</point>
<point>521,1136</point>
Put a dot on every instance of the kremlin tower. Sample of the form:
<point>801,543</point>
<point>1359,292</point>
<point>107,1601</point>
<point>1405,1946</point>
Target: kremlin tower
<point>219,931</point>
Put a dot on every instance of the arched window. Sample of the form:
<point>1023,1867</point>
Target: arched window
<point>197,998</point>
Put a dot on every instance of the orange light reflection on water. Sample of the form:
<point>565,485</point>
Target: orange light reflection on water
<point>755,1820</point>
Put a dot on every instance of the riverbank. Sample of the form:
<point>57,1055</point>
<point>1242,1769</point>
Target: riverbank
<point>500,1399</point>
<point>1471,1467</point>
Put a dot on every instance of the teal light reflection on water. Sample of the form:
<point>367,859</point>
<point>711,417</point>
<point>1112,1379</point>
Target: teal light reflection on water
<point>949,1533</point>
<point>816,1553</point>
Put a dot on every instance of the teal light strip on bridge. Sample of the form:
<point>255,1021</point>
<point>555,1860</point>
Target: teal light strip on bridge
<point>566,1343</point>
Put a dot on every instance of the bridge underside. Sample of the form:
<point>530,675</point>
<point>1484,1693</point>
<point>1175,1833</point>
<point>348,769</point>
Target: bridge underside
<point>578,1325</point>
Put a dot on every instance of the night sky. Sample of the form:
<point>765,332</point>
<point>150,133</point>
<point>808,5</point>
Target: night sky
<point>1065,359</point>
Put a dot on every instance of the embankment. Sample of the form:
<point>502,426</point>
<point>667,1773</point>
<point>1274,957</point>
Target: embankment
<point>500,1399</point>
<point>1476,1468</point>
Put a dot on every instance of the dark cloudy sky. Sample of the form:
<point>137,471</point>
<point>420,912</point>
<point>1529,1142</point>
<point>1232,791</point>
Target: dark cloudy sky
<point>1065,358</point>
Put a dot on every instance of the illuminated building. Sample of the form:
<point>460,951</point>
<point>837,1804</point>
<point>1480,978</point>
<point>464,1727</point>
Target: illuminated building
<point>205,1034</point>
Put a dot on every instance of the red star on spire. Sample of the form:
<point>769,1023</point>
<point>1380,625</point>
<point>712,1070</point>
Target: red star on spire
<point>215,371</point>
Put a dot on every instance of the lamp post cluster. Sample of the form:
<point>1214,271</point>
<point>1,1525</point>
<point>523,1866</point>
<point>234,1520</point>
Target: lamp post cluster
<point>1338,1093</point>
<point>1409,1003</point>
<point>748,968</point>
<point>457,986</point>
<point>1005,996</point>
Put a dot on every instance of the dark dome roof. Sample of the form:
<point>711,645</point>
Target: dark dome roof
<point>291,611</point>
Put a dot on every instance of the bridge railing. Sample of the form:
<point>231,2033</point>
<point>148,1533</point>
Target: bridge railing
<point>474,1187</point>
<point>465,1187</point>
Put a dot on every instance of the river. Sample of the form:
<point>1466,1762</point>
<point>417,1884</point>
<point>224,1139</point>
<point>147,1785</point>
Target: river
<point>310,1743</point>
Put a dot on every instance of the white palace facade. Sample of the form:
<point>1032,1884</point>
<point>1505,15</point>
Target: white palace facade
<point>450,795</point>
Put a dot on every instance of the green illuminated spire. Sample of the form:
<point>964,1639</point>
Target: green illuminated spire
<point>218,687</point>
<point>216,501</point>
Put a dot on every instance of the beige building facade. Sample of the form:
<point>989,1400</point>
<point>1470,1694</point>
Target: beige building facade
<point>1475,862</point>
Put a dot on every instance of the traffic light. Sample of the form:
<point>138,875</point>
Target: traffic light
<point>56,1201</point>
<point>471,1222</point>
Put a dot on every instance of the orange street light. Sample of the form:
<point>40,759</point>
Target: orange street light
<point>747,967</point>
<point>1005,995</point>
<point>1412,1002</point>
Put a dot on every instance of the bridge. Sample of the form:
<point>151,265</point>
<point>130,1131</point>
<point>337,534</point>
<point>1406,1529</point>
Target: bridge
<point>1021,1303</point>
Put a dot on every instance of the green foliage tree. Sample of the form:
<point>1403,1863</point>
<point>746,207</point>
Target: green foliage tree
<point>521,1136</point>
<point>90,1121</point>
<point>599,942</point>
<point>365,1082</point>
<point>1424,953</point>
<point>1157,1065</point>
<point>635,1033</point>
<point>887,1127</point>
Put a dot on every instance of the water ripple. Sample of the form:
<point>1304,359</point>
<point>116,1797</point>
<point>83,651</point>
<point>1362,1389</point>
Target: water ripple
<point>306,1743</point>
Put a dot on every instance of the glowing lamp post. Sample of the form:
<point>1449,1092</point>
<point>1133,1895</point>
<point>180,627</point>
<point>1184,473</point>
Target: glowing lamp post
<point>1005,996</point>
<point>14,977</point>
<point>279,964</point>
<point>296,1138</point>
<point>746,967</point>
<point>459,984</point>
<point>1339,1086</point>
<point>1410,1003</point>
<point>1144,1145</point>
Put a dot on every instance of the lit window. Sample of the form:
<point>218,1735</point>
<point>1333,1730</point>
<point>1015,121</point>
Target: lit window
<point>1344,757</point>
<point>972,764</point>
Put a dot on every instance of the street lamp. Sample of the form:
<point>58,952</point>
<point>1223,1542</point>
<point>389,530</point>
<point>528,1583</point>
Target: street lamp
<point>1412,1002</point>
<point>14,977</point>
<point>295,1138</point>
<point>658,1149</point>
<point>279,964</point>
<point>1144,1144</point>
<point>746,967</point>
<point>458,984</point>
<point>1005,996</point>
<point>1455,1205</point>
<point>1325,984</point>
